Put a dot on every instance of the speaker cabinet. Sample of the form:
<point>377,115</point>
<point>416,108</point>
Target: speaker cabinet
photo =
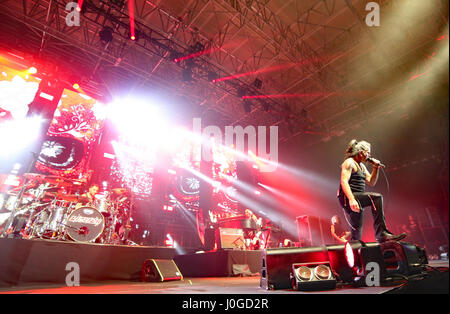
<point>310,231</point>
<point>277,264</point>
<point>230,238</point>
<point>361,255</point>
<point>159,270</point>
<point>312,277</point>
<point>403,258</point>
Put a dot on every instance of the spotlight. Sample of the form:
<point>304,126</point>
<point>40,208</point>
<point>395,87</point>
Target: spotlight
<point>350,261</point>
<point>106,35</point>
<point>32,70</point>
<point>134,36</point>
<point>175,56</point>
<point>76,86</point>
<point>312,277</point>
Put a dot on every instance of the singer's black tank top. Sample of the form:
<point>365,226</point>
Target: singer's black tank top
<point>357,182</point>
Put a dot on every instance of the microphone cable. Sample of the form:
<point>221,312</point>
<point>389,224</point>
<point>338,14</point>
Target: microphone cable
<point>387,188</point>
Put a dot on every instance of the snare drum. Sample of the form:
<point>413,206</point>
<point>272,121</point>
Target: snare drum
<point>85,224</point>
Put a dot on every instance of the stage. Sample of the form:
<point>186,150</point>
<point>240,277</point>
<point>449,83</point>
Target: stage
<point>436,283</point>
<point>40,266</point>
<point>25,262</point>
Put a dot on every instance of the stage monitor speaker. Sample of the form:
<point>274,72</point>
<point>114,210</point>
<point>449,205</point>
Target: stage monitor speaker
<point>403,258</point>
<point>160,270</point>
<point>312,277</point>
<point>230,238</point>
<point>310,231</point>
<point>276,265</point>
<point>353,265</point>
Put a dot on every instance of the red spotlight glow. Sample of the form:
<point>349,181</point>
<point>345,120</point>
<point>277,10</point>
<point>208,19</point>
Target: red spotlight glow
<point>286,242</point>
<point>349,255</point>
<point>32,70</point>
<point>131,12</point>
<point>169,240</point>
<point>80,5</point>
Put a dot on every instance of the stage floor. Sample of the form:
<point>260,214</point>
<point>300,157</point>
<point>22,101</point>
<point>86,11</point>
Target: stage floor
<point>217,285</point>
<point>207,285</point>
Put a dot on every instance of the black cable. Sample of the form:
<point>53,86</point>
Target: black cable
<point>387,188</point>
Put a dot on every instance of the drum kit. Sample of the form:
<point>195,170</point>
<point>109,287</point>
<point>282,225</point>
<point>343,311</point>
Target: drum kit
<point>48,207</point>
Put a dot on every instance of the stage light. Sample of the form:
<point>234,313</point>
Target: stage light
<point>350,261</point>
<point>322,272</point>
<point>304,273</point>
<point>76,86</point>
<point>109,156</point>
<point>32,70</point>
<point>350,257</point>
<point>17,134</point>
<point>312,277</point>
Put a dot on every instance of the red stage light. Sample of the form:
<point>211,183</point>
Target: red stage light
<point>32,70</point>
<point>133,37</point>
<point>349,255</point>
<point>76,86</point>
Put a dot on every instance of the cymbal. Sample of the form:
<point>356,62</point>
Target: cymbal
<point>119,190</point>
<point>34,175</point>
<point>58,180</point>
<point>68,197</point>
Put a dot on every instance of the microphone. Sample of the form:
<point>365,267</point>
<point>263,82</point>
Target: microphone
<point>373,162</point>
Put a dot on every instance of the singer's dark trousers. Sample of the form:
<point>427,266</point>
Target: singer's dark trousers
<point>366,199</point>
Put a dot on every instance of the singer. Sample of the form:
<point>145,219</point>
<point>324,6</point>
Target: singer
<point>352,195</point>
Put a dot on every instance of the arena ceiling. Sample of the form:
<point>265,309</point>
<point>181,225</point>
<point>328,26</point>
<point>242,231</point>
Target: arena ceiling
<point>312,67</point>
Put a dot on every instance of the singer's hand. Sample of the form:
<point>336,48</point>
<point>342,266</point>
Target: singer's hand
<point>375,162</point>
<point>354,206</point>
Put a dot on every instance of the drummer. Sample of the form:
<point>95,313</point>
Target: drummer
<point>88,198</point>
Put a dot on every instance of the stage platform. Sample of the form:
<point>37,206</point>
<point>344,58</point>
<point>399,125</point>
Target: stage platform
<point>435,282</point>
<point>39,266</point>
<point>24,262</point>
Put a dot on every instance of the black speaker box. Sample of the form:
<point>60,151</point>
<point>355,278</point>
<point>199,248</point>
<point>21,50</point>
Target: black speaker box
<point>364,253</point>
<point>160,270</point>
<point>277,264</point>
<point>403,258</point>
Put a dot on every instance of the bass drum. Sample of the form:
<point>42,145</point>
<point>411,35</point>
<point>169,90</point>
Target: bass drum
<point>85,224</point>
